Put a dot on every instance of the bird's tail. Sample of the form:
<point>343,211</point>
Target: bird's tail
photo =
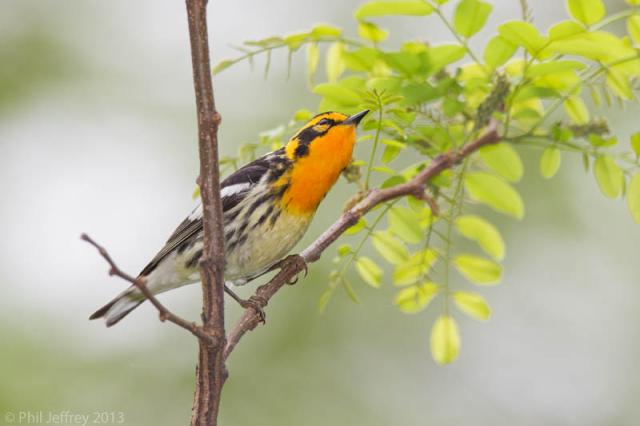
<point>119,307</point>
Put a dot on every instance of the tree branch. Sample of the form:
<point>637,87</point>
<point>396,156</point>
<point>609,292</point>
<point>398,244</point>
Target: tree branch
<point>163,311</point>
<point>211,372</point>
<point>294,264</point>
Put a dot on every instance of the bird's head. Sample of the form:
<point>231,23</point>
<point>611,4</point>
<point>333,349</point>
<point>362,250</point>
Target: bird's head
<point>319,152</point>
<point>326,131</point>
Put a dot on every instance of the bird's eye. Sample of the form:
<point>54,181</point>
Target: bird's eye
<point>323,122</point>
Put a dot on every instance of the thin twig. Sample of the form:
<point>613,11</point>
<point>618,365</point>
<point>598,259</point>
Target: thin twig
<point>294,264</point>
<point>139,282</point>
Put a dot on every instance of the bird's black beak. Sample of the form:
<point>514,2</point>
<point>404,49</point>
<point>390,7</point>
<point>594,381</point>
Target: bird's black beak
<point>356,118</point>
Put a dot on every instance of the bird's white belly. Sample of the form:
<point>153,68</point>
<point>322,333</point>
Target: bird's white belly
<point>264,246</point>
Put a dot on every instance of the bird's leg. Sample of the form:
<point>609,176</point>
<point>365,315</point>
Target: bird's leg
<point>255,302</point>
<point>293,261</point>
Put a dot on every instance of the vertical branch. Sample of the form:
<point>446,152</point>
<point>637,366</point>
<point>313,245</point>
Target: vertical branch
<point>210,373</point>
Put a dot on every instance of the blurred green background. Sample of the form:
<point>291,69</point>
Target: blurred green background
<point>97,135</point>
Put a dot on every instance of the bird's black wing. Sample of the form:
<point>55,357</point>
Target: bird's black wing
<point>233,189</point>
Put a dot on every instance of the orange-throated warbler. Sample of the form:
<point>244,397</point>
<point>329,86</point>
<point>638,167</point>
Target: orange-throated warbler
<point>267,207</point>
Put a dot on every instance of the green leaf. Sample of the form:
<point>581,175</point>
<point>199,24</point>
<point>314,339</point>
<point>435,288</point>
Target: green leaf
<point>473,305</point>
<point>477,269</point>
<point>471,16</point>
<point>504,160</point>
<point>313,57</point>
<point>372,32</point>
<point>522,34</point>
<point>386,8</point>
<point>403,62</point>
<point>576,110</point>
<point>619,84</point>
<point>553,67</point>
<point>389,247</point>
<point>362,59</point>
<point>302,115</point>
<point>597,45</point>
<point>565,29</point>
<point>633,28</point>
<point>339,94</point>
<point>325,30</point>
<point>587,11</point>
<point>414,268</point>
<point>494,192</point>
<point>294,41</point>
<point>531,92</point>
<point>498,51</point>
<point>359,226</point>
<point>633,197</point>
<point>635,143</point>
<point>344,250</point>
<point>335,64</point>
<point>324,299</point>
<point>415,298</point>
<point>482,232</point>
<point>585,161</point>
<point>440,56</point>
<point>609,176</point>
<point>196,192</point>
<point>222,65</point>
<point>390,153</point>
<point>599,141</point>
<point>348,288</point>
<point>445,340</point>
<point>550,162</point>
<point>404,223</point>
<point>384,169</point>
<point>418,93</point>
<point>369,271</point>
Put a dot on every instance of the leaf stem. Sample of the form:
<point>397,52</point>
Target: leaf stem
<point>612,19</point>
<point>461,40</point>
<point>372,155</point>
<point>268,49</point>
<point>339,278</point>
<point>586,79</point>
<point>452,212</point>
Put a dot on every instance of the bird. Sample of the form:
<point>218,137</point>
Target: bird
<point>267,207</point>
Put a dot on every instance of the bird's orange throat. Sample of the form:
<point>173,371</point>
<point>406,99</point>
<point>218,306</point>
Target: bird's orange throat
<point>313,175</point>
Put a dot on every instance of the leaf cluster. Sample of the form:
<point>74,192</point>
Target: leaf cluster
<point>544,88</point>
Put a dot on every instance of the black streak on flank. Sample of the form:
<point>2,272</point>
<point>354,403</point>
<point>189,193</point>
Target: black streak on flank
<point>259,201</point>
<point>184,246</point>
<point>242,240</point>
<point>264,217</point>
<point>274,217</point>
<point>242,228</point>
<point>193,262</point>
<point>229,216</point>
<point>232,245</point>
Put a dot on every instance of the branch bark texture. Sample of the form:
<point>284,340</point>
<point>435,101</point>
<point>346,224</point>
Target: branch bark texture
<point>211,372</point>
